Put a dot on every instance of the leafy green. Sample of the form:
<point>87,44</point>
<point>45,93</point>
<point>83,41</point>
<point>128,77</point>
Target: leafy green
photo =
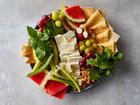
<point>42,41</point>
<point>61,75</point>
<point>43,67</point>
<point>94,75</point>
<point>52,30</point>
<point>103,63</point>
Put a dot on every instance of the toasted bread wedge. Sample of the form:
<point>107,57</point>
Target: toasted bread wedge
<point>103,37</point>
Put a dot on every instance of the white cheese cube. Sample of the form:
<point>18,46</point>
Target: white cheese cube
<point>69,36</point>
<point>74,59</point>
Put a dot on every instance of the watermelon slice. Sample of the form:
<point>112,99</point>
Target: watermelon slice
<point>54,87</point>
<point>74,25</point>
<point>66,25</point>
<point>61,94</point>
<point>75,14</point>
<point>38,78</point>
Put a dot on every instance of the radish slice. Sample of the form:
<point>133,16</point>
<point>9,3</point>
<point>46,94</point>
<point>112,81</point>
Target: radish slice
<point>85,34</point>
<point>79,30</point>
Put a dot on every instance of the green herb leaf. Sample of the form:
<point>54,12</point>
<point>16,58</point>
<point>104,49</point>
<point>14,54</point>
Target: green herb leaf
<point>32,32</point>
<point>40,54</point>
<point>94,75</point>
<point>118,56</point>
<point>107,52</point>
<point>103,63</point>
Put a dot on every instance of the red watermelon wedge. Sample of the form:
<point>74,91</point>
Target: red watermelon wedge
<point>75,14</point>
<point>54,87</point>
<point>38,78</point>
<point>66,25</point>
<point>61,94</point>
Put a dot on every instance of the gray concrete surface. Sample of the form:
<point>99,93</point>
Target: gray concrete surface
<point>123,88</point>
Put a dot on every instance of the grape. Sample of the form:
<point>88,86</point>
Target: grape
<point>92,40</point>
<point>89,55</point>
<point>82,47</point>
<point>82,43</point>
<point>58,23</point>
<point>90,48</point>
<point>94,45</point>
<point>60,17</point>
<point>43,21</point>
<point>87,50</point>
<point>83,62</point>
<point>88,43</point>
<point>54,15</point>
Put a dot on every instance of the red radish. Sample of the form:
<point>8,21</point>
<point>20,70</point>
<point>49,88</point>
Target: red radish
<point>53,87</point>
<point>61,94</point>
<point>38,78</point>
<point>79,30</point>
<point>85,34</point>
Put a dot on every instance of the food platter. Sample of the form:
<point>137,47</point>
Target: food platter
<point>71,50</point>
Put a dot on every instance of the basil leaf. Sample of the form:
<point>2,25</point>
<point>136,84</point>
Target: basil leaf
<point>40,54</point>
<point>32,32</point>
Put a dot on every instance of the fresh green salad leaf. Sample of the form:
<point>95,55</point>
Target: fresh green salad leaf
<point>61,75</point>
<point>42,68</point>
<point>103,63</point>
<point>44,45</point>
<point>94,75</point>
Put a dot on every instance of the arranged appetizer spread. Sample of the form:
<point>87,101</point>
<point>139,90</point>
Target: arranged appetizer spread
<point>70,49</point>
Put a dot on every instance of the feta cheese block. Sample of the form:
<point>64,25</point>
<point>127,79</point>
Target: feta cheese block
<point>73,68</point>
<point>69,53</point>
<point>74,59</point>
<point>69,36</point>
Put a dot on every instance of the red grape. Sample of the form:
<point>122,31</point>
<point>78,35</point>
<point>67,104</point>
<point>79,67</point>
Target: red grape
<point>83,62</point>
<point>43,21</point>
<point>89,55</point>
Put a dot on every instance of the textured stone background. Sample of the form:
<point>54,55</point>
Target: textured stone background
<point>123,88</point>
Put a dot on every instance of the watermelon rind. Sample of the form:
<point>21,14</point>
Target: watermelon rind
<point>73,25</point>
<point>74,19</point>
